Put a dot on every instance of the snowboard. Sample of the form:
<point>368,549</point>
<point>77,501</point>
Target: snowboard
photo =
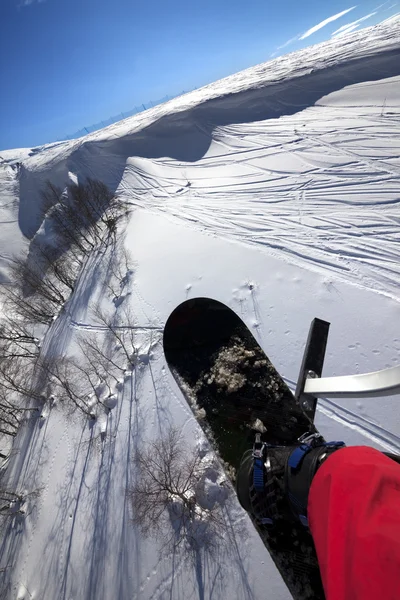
<point>234,392</point>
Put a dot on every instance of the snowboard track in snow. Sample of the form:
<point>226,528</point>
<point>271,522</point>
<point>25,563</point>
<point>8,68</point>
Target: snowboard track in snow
<point>357,422</point>
<point>313,185</point>
<point>341,219</point>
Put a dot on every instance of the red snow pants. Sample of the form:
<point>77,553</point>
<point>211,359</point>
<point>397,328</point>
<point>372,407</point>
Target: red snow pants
<point>354,518</point>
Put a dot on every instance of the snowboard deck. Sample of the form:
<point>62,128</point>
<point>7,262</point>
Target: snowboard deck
<point>234,392</point>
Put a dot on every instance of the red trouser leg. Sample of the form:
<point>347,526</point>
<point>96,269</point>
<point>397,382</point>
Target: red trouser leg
<point>354,518</point>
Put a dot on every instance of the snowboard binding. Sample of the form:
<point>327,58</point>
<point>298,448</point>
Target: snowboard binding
<point>273,482</point>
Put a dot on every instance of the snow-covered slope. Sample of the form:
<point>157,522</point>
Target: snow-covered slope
<point>275,191</point>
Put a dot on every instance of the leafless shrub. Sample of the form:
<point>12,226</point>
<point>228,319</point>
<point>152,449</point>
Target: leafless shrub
<point>58,210</point>
<point>169,500</point>
<point>36,292</point>
<point>119,328</point>
<point>30,278</point>
<point>10,416</point>
<point>16,375</point>
<point>62,269</point>
<point>85,214</point>
<point>32,309</point>
<point>17,339</point>
<point>15,503</point>
<point>119,271</point>
<point>19,350</point>
<point>17,390</point>
<point>50,196</point>
<point>85,217</point>
<point>64,376</point>
<point>102,360</point>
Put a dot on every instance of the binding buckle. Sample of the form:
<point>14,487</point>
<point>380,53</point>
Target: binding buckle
<point>258,447</point>
<point>258,466</point>
<point>311,439</point>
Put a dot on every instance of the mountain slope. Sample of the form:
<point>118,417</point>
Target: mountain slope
<point>275,191</point>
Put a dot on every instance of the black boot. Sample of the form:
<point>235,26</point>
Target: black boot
<point>273,482</point>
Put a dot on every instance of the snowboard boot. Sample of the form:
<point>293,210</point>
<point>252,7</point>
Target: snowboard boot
<point>273,482</point>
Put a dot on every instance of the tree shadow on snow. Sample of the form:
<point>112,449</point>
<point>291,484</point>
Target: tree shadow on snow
<point>213,567</point>
<point>86,552</point>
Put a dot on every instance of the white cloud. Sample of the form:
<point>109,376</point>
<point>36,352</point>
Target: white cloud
<point>384,4</point>
<point>29,2</point>
<point>351,26</point>
<point>345,31</point>
<point>293,39</point>
<point>323,23</point>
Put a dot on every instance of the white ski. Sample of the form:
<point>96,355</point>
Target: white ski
<point>378,383</point>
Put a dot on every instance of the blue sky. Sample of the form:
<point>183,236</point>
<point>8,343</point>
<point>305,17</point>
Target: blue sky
<point>66,64</point>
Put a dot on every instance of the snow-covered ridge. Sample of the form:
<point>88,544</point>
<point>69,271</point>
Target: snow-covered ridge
<point>362,44</point>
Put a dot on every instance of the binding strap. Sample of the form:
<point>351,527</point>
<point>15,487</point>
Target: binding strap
<point>301,468</point>
<point>258,465</point>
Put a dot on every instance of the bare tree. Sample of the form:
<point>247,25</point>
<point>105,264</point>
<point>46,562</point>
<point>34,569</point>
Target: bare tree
<point>101,359</point>
<point>30,309</point>
<point>119,272</point>
<point>85,217</point>
<point>101,209</point>
<point>85,214</point>
<point>50,196</point>
<point>168,497</point>
<point>121,329</point>
<point>17,389</point>
<point>19,349</point>
<point>35,295</point>
<point>66,221</point>
<point>16,375</point>
<point>10,415</point>
<point>13,502</point>
<point>58,266</point>
<point>17,339</point>
<point>64,376</point>
<point>32,280</point>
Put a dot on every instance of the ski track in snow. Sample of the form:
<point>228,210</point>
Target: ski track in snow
<point>99,328</point>
<point>351,420</point>
<point>381,436</point>
<point>306,197</point>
